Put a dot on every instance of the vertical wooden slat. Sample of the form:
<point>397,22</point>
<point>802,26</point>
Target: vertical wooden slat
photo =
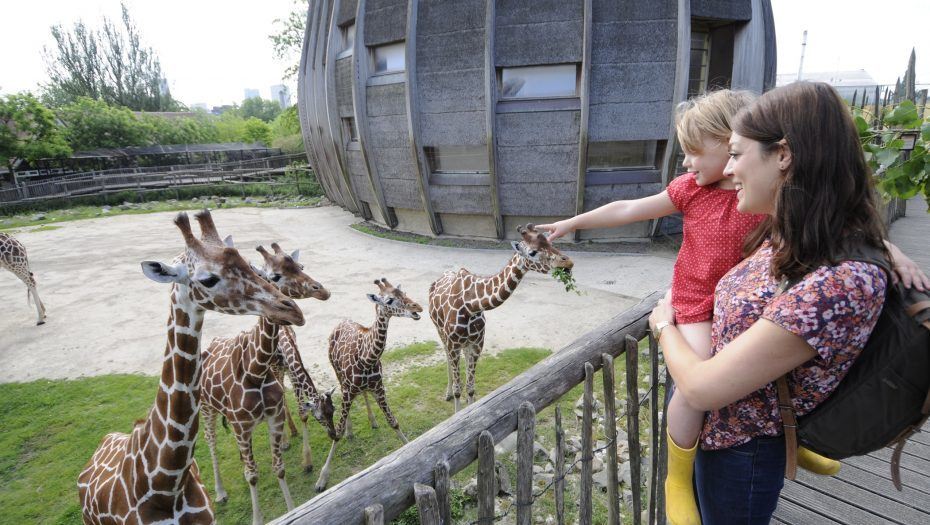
<point>490,99</point>
<point>584,91</point>
<point>559,468</point>
<point>610,433</point>
<point>485,478</point>
<point>654,479</point>
<point>427,506</point>
<point>587,449</point>
<point>441,484</point>
<point>526,435</point>
<point>374,515</point>
<point>663,453</point>
<point>632,425</point>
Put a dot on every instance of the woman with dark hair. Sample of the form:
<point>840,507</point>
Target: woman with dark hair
<point>794,156</point>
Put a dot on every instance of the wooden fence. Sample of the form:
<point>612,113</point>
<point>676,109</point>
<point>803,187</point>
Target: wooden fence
<point>419,473</point>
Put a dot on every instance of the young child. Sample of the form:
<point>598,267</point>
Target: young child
<point>712,244</point>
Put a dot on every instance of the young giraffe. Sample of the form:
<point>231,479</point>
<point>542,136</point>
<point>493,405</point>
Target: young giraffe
<point>149,475</point>
<point>239,383</point>
<point>355,353</point>
<point>458,300</point>
<point>13,258</point>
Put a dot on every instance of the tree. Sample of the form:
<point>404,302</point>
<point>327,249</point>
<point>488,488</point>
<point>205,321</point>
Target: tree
<point>288,41</point>
<point>109,64</point>
<point>285,131</point>
<point>265,110</point>
<point>91,124</point>
<point>256,131</point>
<point>28,131</point>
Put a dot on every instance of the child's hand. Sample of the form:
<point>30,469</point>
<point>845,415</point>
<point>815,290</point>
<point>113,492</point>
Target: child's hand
<point>907,271</point>
<point>557,229</point>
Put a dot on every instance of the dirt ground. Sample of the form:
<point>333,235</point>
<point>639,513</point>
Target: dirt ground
<point>104,316</point>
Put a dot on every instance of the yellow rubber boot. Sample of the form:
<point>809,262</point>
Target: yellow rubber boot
<point>814,462</point>
<point>680,506</point>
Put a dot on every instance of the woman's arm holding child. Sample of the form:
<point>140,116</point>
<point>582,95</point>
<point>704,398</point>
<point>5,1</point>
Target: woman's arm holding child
<point>616,213</point>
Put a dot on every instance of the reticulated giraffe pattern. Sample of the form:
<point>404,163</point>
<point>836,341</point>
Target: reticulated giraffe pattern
<point>150,475</point>
<point>355,352</point>
<point>240,383</point>
<point>13,258</point>
<point>458,300</point>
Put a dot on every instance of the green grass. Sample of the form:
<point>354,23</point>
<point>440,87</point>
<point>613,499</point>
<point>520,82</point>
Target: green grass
<point>416,350</point>
<point>51,429</point>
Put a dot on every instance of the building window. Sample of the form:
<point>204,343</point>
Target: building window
<point>347,41</point>
<point>539,81</point>
<point>457,159</point>
<point>700,59</point>
<point>389,58</point>
<point>349,129</point>
<point>624,155</point>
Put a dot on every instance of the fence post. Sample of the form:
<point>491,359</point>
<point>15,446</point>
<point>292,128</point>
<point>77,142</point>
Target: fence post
<point>526,436</point>
<point>632,426</point>
<point>374,515</point>
<point>654,480</point>
<point>427,506</point>
<point>587,449</point>
<point>441,484</point>
<point>485,478</point>
<point>610,431</point>
<point>559,467</point>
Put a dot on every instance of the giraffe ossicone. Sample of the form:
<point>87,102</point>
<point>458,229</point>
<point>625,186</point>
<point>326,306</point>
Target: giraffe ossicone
<point>458,300</point>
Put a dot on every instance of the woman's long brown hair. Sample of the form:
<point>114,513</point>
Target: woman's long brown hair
<point>827,198</point>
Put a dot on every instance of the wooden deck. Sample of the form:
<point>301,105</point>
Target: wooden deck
<point>862,492</point>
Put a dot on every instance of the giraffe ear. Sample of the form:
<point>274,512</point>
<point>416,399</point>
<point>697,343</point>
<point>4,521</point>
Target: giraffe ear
<point>295,255</point>
<point>374,298</point>
<point>228,241</point>
<point>516,246</point>
<point>164,273</point>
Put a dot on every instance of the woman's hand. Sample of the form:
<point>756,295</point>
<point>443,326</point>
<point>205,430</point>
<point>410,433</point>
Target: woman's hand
<point>557,229</point>
<point>906,270</point>
<point>662,312</point>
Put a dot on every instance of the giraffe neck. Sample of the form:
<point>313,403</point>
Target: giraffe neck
<point>499,287</point>
<point>303,385</point>
<point>170,431</point>
<point>377,337</point>
<point>260,347</point>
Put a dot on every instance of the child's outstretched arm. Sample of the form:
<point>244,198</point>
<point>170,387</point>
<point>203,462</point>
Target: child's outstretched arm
<point>906,270</point>
<point>616,213</point>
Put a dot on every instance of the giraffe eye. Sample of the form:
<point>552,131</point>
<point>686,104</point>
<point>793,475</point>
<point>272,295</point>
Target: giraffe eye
<point>276,277</point>
<point>389,301</point>
<point>533,253</point>
<point>210,281</point>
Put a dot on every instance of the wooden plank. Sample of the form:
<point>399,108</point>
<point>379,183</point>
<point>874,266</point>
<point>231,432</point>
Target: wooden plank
<point>318,86</point>
<point>654,478</point>
<point>585,101</point>
<point>526,436</point>
<point>441,484</point>
<point>663,449</point>
<point>485,478</point>
<point>908,461</point>
<point>794,514</point>
<point>559,467</point>
<point>875,483</point>
<point>826,505</point>
<point>632,427</point>
<point>427,506</point>
<point>374,515</point>
<point>880,468</point>
<point>610,434</point>
<point>585,501</point>
<point>391,478</point>
<point>420,163</point>
<point>839,489</point>
<point>490,98</point>
<point>749,52</point>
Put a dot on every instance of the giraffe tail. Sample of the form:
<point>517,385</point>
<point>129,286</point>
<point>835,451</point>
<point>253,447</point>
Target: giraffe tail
<point>28,297</point>
<point>225,424</point>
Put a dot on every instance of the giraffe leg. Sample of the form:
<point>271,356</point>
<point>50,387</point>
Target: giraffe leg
<point>40,307</point>
<point>276,429</point>
<point>381,397</point>
<point>371,415</point>
<point>471,359</point>
<point>324,472</point>
<point>456,380</point>
<point>305,450</point>
<point>209,433</point>
<point>349,434</point>
<point>449,384</point>
<point>244,439</point>
<point>290,422</point>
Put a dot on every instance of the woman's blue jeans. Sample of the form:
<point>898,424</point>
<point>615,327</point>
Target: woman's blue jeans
<point>740,485</point>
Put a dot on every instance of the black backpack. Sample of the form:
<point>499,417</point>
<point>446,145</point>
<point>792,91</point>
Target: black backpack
<point>885,397</point>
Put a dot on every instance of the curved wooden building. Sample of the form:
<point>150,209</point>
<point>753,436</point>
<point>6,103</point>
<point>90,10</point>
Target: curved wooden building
<point>468,117</point>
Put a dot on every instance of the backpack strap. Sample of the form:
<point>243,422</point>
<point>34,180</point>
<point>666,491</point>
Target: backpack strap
<point>790,422</point>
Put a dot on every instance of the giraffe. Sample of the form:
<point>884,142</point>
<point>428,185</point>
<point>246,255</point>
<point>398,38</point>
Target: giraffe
<point>355,353</point>
<point>458,300</point>
<point>150,475</point>
<point>13,258</point>
<point>242,375</point>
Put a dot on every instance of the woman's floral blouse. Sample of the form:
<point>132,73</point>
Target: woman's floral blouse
<point>833,308</point>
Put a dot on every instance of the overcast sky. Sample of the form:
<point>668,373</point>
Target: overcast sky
<point>212,50</point>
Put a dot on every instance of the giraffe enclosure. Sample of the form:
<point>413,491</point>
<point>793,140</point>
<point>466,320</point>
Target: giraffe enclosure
<point>105,317</point>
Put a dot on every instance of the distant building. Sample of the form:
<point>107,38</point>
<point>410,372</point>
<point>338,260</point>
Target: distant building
<point>202,106</point>
<point>845,82</point>
<point>251,93</point>
<point>282,95</point>
<point>219,110</point>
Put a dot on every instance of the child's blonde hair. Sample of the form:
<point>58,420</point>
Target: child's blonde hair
<point>709,115</point>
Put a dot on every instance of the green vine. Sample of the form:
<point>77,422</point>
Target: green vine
<point>565,277</point>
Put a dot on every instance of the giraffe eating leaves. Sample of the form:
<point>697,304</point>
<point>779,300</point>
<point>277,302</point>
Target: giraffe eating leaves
<point>13,258</point>
<point>458,300</point>
<point>150,475</point>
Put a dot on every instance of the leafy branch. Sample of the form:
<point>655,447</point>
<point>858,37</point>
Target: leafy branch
<point>899,175</point>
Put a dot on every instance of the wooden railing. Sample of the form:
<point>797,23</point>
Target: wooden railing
<point>419,473</point>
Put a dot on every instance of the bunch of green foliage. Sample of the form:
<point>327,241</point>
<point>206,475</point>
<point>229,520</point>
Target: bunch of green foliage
<point>899,175</point>
<point>28,131</point>
<point>565,277</point>
<point>262,109</point>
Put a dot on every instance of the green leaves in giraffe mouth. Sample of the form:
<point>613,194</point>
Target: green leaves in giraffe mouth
<point>564,276</point>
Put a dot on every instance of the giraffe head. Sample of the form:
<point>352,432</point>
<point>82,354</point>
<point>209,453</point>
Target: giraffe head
<point>288,275</point>
<point>393,302</point>
<point>537,252</point>
<point>323,410</point>
<point>216,277</point>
